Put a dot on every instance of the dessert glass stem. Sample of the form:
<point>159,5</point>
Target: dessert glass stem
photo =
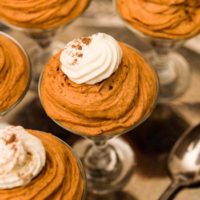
<point>161,61</point>
<point>40,56</point>
<point>43,38</point>
<point>102,161</point>
<point>102,165</point>
<point>108,162</point>
<point>172,68</point>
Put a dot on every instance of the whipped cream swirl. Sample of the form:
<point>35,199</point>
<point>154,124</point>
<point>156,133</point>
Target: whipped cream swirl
<point>91,59</point>
<point>22,157</point>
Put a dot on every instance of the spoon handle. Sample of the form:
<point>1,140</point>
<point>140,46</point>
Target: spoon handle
<point>169,192</point>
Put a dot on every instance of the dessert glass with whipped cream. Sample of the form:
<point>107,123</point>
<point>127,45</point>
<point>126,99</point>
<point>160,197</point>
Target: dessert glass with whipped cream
<point>41,20</point>
<point>165,24</point>
<point>99,88</point>
<point>15,72</point>
<point>32,168</point>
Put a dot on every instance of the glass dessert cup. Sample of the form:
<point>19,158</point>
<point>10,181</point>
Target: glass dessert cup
<point>58,173</point>
<point>108,161</point>
<point>45,47</point>
<point>172,68</point>
<point>81,169</point>
<point>45,39</point>
<point>28,65</point>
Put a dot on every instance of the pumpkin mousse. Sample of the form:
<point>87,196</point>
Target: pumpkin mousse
<point>168,19</point>
<point>41,14</point>
<point>97,85</point>
<point>14,72</point>
<point>37,165</point>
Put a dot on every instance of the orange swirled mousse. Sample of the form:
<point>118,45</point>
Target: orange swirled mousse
<point>168,19</point>
<point>97,85</point>
<point>14,72</point>
<point>37,165</point>
<point>41,14</point>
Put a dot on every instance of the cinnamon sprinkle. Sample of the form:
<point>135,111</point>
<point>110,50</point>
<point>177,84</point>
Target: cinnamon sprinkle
<point>79,54</point>
<point>74,61</point>
<point>11,139</point>
<point>86,40</point>
<point>29,153</point>
<point>14,148</point>
<point>78,46</point>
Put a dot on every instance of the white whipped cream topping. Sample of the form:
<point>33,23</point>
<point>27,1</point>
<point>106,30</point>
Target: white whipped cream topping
<point>22,157</point>
<point>91,59</point>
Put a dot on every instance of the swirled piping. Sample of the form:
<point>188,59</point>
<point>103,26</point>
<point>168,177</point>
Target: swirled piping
<point>91,59</point>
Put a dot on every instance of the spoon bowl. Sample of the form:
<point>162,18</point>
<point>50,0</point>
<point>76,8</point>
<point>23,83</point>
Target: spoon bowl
<point>184,162</point>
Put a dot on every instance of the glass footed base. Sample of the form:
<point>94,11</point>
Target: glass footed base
<point>39,57</point>
<point>107,175</point>
<point>173,72</point>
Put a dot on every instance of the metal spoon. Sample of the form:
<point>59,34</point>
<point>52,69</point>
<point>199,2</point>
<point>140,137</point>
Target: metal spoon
<point>184,162</point>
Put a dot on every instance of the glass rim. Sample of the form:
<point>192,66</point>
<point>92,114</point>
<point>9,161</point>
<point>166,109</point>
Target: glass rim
<point>110,134</point>
<point>28,66</point>
<point>79,164</point>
